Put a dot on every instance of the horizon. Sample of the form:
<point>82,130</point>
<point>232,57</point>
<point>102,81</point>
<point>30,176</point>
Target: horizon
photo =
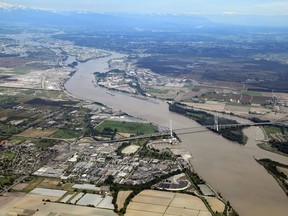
<point>173,7</point>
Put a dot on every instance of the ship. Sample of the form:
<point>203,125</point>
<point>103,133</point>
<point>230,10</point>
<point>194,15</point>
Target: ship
<point>108,92</point>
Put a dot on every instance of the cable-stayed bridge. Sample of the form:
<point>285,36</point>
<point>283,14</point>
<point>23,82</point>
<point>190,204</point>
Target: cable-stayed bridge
<point>195,129</point>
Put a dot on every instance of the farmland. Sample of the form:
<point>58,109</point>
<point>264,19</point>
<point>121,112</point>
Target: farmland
<point>31,132</point>
<point>259,74</point>
<point>150,202</point>
<point>8,155</point>
<point>127,127</point>
<point>121,197</point>
<point>32,203</point>
<point>130,149</point>
<point>216,204</point>
<point>42,130</point>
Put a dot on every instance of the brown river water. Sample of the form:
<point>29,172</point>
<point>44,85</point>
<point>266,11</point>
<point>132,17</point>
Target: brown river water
<point>228,167</point>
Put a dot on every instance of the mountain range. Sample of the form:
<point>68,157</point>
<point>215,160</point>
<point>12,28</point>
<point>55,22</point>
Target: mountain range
<point>38,17</point>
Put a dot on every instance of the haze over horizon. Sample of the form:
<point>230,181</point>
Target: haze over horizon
<point>185,7</point>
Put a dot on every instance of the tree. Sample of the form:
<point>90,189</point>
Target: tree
<point>109,180</point>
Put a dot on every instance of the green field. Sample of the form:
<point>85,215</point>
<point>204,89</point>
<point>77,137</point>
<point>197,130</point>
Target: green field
<point>252,93</point>
<point>128,127</point>
<point>33,93</point>
<point>66,134</point>
<point>271,130</point>
<point>235,104</point>
<point>17,139</point>
<point>32,184</point>
<point>43,143</point>
<point>15,71</point>
<point>157,91</point>
<point>7,99</point>
<point>67,187</point>
<point>8,155</point>
<point>20,71</point>
<point>6,180</point>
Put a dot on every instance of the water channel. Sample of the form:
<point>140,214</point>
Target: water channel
<point>228,167</point>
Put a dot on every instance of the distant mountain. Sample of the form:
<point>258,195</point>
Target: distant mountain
<point>111,21</point>
<point>250,20</point>
<point>102,21</point>
<point>7,6</point>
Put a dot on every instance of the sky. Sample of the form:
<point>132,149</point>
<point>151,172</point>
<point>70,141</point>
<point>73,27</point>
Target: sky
<point>250,7</point>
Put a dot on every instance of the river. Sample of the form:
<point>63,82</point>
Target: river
<point>228,167</point>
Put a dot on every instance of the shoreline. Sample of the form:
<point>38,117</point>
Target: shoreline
<point>230,161</point>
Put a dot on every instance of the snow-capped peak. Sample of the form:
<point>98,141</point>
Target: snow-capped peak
<point>7,6</point>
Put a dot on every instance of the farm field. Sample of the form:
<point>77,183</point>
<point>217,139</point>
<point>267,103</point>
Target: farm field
<point>8,155</point>
<point>19,204</point>
<point>90,199</point>
<point>20,186</point>
<point>270,130</point>
<point>48,183</point>
<point>130,149</point>
<point>9,198</point>
<point>215,204</point>
<point>37,132</point>
<point>66,134</point>
<point>210,105</point>
<point>128,127</point>
<point>150,202</point>
<point>121,197</point>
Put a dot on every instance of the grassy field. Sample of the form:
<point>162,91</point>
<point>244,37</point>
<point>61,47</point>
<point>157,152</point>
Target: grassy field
<point>128,127</point>
<point>234,104</point>
<point>157,91</point>
<point>14,71</point>
<point>33,184</point>
<point>271,130</point>
<point>35,93</point>
<point>6,180</point>
<point>66,134</point>
<point>8,155</point>
<point>17,139</point>
<point>19,71</point>
<point>49,183</point>
<point>252,93</point>
<point>43,143</point>
<point>31,132</point>
<point>67,187</point>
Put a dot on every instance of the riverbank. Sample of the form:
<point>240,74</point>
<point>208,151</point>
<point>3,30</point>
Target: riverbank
<point>228,167</point>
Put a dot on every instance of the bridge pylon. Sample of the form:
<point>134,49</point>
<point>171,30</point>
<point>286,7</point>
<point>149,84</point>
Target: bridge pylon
<point>216,124</point>
<point>171,128</point>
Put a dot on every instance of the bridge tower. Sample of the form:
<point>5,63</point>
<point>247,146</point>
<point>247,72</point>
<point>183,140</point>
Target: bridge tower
<point>273,99</point>
<point>171,128</point>
<point>216,125</point>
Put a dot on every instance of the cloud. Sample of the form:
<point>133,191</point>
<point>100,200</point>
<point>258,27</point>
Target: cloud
<point>230,12</point>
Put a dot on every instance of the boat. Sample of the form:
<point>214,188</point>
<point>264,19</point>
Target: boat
<point>108,92</point>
